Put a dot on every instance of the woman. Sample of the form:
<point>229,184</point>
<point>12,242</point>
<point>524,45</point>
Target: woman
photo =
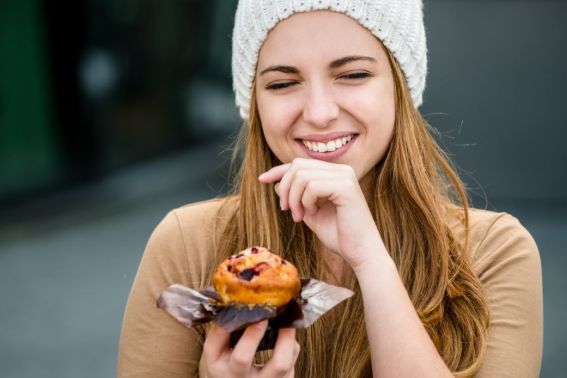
<point>340,175</point>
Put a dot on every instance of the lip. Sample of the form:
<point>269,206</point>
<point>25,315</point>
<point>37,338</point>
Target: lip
<point>324,138</point>
<point>328,156</point>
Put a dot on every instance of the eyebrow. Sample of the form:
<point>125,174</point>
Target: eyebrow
<point>280,68</point>
<point>334,64</point>
<point>347,59</point>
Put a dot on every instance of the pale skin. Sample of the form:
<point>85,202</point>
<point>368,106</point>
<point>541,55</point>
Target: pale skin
<point>322,77</point>
<point>223,361</point>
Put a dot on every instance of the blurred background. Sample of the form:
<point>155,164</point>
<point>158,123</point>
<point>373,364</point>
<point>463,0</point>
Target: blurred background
<point>113,112</point>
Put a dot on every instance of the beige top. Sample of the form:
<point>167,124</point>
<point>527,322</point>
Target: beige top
<point>154,344</point>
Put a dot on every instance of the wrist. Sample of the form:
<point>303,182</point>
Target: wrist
<point>378,263</point>
<point>370,253</point>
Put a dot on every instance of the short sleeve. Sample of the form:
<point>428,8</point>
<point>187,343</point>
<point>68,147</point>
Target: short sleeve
<point>508,264</point>
<point>154,344</point>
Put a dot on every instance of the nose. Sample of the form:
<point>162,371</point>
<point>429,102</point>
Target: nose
<point>320,107</point>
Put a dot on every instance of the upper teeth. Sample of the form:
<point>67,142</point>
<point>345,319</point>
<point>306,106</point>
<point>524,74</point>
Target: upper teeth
<point>329,146</point>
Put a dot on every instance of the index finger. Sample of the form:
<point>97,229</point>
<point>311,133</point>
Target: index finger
<point>216,343</point>
<point>243,354</point>
<point>284,355</point>
<point>273,175</point>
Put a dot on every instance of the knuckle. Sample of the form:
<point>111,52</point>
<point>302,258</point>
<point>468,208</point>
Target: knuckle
<point>311,186</point>
<point>348,169</point>
<point>351,184</point>
<point>297,161</point>
<point>239,360</point>
<point>296,350</point>
<point>302,179</point>
<point>208,347</point>
<point>213,371</point>
<point>301,175</point>
<point>281,367</point>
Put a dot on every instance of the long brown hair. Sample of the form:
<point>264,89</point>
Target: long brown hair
<point>415,196</point>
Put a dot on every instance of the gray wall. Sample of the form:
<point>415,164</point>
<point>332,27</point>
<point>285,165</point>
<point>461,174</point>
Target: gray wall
<point>496,89</point>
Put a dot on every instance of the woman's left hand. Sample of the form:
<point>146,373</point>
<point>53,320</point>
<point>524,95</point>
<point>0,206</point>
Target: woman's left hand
<point>328,198</point>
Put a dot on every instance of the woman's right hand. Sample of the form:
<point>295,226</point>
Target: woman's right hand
<point>224,362</point>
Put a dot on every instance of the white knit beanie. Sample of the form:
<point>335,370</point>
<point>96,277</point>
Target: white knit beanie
<point>397,23</point>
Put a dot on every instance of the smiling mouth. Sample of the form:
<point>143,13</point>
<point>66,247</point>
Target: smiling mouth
<point>330,146</point>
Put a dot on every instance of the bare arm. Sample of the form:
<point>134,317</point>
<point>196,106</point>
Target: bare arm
<point>328,198</point>
<point>399,344</point>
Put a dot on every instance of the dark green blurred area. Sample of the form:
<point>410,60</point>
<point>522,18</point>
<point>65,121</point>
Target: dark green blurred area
<point>28,147</point>
<point>89,86</point>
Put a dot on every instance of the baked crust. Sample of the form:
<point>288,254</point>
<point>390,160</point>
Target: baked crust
<point>256,276</point>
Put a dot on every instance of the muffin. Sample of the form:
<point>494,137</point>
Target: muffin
<point>256,276</point>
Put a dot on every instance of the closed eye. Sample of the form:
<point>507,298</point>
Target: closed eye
<point>280,85</point>
<point>358,75</point>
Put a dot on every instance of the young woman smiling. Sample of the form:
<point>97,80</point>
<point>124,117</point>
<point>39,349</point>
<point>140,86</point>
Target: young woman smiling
<point>340,175</point>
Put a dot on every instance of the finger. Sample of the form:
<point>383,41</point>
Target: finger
<point>216,343</point>
<point>244,351</point>
<point>284,185</point>
<point>302,179</point>
<point>295,194</point>
<point>284,355</point>
<point>310,199</point>
<point>289,177</point>
<point>273,175</point>
<point>296,350</point>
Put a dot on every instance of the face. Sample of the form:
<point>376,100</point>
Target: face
<point>325,90</point>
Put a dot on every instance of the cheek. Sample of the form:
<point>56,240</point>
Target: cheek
<point>277,115</point>
<point>273,125</point>
<point>380,108</point>
<point>375,113</point>
<point>276,125</point>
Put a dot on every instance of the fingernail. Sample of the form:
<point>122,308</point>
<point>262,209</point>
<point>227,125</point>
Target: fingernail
<point>262,176</point>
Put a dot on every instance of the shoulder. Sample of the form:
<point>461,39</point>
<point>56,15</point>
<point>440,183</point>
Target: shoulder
<point>497,239</point>
<point>181,251</point>
<point>198,218</point>
<point>204,209</point>
<point>507,262</point>
<point>185,238</point>
<point>498,246</point>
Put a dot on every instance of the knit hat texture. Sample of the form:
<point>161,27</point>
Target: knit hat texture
<point>397,23</point>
